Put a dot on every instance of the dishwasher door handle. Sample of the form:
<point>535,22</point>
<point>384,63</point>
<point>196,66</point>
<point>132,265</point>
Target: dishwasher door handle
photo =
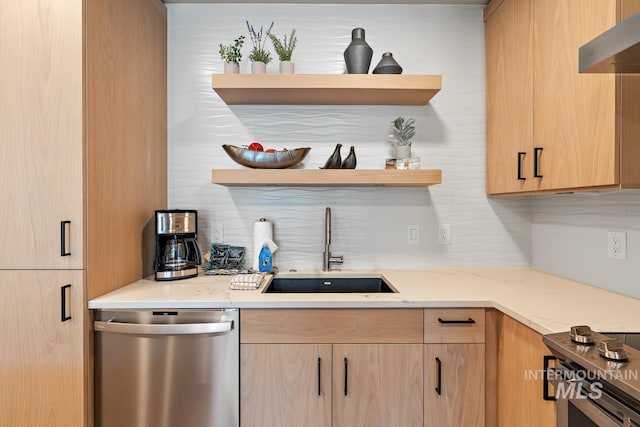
<point>164,329</point>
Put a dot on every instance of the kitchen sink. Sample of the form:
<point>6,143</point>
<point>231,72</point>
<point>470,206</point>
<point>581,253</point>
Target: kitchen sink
<point>329,285</point>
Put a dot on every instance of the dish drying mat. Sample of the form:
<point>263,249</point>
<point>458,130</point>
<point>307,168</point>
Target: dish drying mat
<point>247,281</point>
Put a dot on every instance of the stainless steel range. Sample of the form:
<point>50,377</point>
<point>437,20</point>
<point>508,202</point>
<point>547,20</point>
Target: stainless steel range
<point>596,379</point>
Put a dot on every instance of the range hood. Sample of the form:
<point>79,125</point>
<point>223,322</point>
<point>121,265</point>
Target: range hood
<point>617,50</point>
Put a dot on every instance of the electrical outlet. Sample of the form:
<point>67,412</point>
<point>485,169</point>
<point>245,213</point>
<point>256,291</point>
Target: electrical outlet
<point>444,234</point>
<point>617,244</point>
<point>413,234</point>
<point>217,232</point>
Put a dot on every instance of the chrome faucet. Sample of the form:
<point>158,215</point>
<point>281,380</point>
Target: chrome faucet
<point>327,259</point>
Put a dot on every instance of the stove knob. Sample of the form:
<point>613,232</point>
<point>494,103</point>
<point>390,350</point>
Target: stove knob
<point>612,349</point>
<point>581,335</point>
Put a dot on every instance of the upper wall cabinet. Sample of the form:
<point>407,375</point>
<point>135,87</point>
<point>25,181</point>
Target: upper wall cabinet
<point>549,128</point>
<point>326,89</point>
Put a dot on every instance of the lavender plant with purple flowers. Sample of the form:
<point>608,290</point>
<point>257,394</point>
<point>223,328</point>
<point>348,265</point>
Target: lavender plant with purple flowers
<point>258,39</point>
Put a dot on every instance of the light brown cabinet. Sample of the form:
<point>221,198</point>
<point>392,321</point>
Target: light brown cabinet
<point>509,74</point>
<point>286,385</point>
<point>84,100</point>
<point>42,357</point>
<point>350,367</point>
<point>515,355</point>
<point>454,367</point>
<point>377,385</point>
<point>331,385</point>
<point>41,176</point>
<point>550,128</point>
<point>454,385</point>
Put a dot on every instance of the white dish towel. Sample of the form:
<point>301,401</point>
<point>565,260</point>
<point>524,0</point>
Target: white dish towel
<point>246,281</point>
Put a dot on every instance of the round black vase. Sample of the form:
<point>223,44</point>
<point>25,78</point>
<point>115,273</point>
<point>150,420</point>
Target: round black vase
<point>387,65</point>
<point>358,54</point>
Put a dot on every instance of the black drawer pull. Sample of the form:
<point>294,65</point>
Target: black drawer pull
<point>319,376</point>
<point>469,321</point>
<point>545,378</point>
<point>346,373</point>
<point>63,303</point>
<point>521,155</point>
<point>536,162</point>
<point>63,238</point>
<point>439,370</point>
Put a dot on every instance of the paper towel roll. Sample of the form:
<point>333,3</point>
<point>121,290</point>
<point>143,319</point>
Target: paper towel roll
<point>262,234</point>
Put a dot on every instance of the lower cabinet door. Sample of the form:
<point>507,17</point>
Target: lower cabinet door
<point>377,385</point>
<point>42,348</point>
<point>285,385</point>
<point>454,385</point>
<point>520,354</point>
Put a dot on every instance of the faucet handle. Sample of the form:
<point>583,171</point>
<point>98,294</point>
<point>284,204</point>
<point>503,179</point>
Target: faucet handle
<point>339,259</point>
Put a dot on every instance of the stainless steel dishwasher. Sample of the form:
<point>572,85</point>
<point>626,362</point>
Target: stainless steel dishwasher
<point>166,368</point>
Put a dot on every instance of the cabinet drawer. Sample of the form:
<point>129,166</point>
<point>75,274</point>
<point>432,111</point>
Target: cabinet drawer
<point>354,326</point>
<point>454,325</point>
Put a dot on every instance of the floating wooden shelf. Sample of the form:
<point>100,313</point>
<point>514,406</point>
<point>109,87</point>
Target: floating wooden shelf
<point>326,178</point>
<point>326,89</point>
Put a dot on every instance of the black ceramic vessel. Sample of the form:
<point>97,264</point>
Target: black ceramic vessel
<point>335,160</point>
<point>358,54</point>
<point>387,65</point>
<point>350,161</point>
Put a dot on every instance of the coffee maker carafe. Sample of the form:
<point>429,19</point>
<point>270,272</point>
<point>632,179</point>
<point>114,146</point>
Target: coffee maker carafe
<point>177,253</point>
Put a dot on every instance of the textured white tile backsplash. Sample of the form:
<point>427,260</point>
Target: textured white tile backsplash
<point>564,234</point>
<point>570,238</point>
<point>369,223</point>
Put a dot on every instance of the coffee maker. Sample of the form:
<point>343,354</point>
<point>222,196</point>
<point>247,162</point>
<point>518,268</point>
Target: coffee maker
<point>177,253</point>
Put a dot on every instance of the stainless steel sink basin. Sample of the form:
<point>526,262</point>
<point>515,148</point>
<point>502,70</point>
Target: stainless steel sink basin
<point>329,285</point>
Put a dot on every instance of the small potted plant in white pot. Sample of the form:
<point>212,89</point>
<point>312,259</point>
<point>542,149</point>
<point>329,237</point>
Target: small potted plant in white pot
<point>402,132</point>
<point>259,56</point>
<point>284,49</point>
<point>232,56</point>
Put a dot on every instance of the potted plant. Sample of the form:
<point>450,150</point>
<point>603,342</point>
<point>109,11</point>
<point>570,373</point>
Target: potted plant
<point>284,49</point>
<point>231,55</point>
<point>259,56</point>
<point>401,135</point>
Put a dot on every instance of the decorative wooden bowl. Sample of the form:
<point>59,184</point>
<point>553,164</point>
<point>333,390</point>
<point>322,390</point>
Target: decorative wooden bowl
<point>264,160</point>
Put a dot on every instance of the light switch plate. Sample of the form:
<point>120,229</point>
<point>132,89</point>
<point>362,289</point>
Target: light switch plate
<point>217,232</point>
<point>413,234</point>
<point>444,234</point>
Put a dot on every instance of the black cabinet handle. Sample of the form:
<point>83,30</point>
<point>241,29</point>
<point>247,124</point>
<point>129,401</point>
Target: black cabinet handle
<point>439,370</point>
<point>521,155</point>
<point>63,303</point>
<point>319,389</point>
<point>545,378</point>
<point>536,162</point>
<point>63,238</point>
<point>454,322</point>
<point>346,374</point>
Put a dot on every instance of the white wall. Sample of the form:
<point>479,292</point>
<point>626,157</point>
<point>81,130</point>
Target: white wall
<point>369,223</point>
<point>570,238</point>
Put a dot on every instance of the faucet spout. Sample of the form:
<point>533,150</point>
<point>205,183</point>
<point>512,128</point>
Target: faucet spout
<point>327,226</point>
<point>327,259</point>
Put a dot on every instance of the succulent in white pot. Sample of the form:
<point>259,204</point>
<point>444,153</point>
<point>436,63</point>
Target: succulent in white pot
<point>402,132</point>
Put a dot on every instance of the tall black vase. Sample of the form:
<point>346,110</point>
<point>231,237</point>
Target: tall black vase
<point>358,54</point>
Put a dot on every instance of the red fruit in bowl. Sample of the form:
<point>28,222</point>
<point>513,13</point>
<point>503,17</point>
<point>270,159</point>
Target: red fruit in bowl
<point>270,150</point>
<point>256,146</point>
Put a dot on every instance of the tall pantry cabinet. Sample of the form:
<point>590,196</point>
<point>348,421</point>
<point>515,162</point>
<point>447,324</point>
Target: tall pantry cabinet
<point>83,166</point>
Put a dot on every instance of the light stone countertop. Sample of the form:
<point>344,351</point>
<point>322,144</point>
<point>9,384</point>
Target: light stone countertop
<point>542,301</point>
